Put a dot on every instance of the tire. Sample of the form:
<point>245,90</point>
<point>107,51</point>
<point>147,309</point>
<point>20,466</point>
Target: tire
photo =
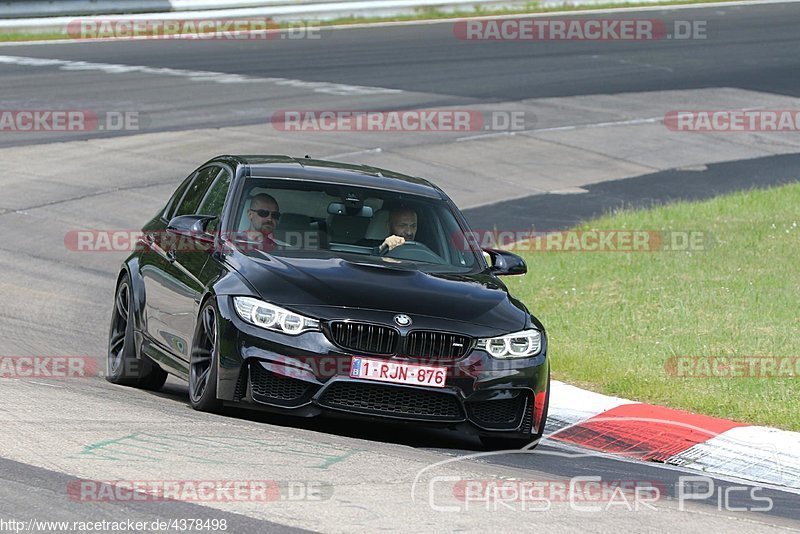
<point>203,361</point>
<point>498,442</point>
<point>123,366</point>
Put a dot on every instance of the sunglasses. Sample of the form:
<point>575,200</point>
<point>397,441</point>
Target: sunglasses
<point>266,213</point>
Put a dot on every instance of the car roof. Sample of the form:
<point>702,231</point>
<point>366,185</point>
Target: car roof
<point>317,170</point>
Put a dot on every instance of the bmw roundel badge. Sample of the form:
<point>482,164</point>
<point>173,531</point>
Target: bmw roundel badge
<point>402,320</point>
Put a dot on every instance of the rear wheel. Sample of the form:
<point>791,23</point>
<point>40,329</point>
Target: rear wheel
<point>203,362</point>
<point>123,367</point>
<point>498,442</point>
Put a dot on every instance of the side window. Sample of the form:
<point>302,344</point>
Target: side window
<point>214,201</point>
<point>195,192</point>
<point>173,201</point>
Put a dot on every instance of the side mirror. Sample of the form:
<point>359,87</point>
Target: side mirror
<point>505,263</point>
<point>193,226</point>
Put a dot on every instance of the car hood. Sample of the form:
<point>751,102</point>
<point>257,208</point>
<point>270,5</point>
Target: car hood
<point>326,285</point>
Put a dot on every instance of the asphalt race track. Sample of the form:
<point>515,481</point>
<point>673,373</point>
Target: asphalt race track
<point>592,140</point>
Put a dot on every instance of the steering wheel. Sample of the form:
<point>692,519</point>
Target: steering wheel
<point>414,251</point>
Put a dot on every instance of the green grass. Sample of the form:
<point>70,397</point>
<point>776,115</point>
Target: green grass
<point>421,14</point>
<point>615,318</point>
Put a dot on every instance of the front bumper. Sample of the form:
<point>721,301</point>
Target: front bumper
<point>308,375</point>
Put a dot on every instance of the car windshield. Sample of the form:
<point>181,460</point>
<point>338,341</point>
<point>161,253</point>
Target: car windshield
<point>313,220</point>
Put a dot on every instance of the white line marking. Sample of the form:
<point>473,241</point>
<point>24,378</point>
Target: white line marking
<point>646,65</point>
<point>755,452</point>
<point>198,75</point>
<point>489,135</point>
<point>649,120</point>
<point>43,384</point>
<point>570,127</point>
<point>569,191</point>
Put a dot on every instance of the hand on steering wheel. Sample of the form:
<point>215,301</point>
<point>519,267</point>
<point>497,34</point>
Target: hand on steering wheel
<point>391,242</point>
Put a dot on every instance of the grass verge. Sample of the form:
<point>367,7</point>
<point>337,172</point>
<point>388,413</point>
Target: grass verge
<point>616,318</point>
<point>421,14</point>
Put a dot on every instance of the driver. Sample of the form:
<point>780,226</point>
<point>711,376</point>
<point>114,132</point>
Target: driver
<point>402,227</point>
<point>264,215</point>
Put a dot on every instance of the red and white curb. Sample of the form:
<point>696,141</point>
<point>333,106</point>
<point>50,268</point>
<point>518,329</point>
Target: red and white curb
<point>675,437</point>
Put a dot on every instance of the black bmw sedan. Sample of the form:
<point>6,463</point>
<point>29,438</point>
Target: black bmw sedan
<point>305,287</point>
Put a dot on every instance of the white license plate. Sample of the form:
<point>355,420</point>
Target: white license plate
<point>397,372</point>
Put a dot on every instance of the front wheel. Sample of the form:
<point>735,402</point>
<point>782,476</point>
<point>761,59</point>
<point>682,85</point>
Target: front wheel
<point>122,365</point>
<point>203,362</point>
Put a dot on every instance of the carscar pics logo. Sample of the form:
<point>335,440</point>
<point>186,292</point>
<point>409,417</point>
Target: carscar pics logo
<point>443,487</point>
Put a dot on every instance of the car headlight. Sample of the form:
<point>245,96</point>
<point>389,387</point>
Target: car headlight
<point>266,315</point>
<point>516,345</point>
